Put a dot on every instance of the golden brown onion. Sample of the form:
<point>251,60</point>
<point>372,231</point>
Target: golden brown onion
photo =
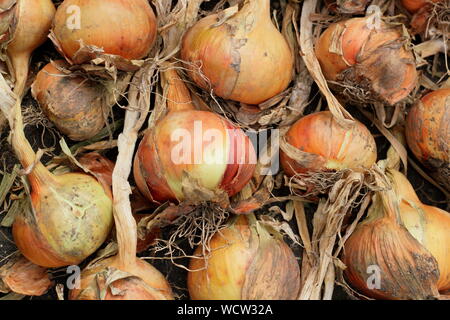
<point>367,63</point>
<point>429,225</point>
<point>244,58</point>
<point>384,261</point>
<point>24,26</point>
<point>119,27</point>
<point>245,261</point>
<point>428,133</point>
<point>326,145</point>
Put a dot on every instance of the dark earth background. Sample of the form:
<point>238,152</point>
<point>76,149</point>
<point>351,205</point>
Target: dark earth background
<point>40,137</point>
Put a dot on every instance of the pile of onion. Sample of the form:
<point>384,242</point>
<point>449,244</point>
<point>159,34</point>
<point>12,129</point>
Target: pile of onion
<point>242,57</point>
<point>74,104</point>
<point>191,145</point>
<point>428,133</point>
<point>366,62</point>
<point>24,27</point>
<point>384,260</point>
<point>318,143</point>
<point>122,28</point>
<point>246,260</point>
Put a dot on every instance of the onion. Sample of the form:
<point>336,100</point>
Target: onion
<point>119,27</point>
<point>367,64</point>
<point>25,26</point>
<point>110,279</point>
<point>429,225</point>
<point>244,261</point>
<point>200,144</point>
<point>415,5</point>
<point>384,261</point>
<point>244,58</point>
<point>74,104</point>
<point>428,133</point>
<point>72,213</point>
<point>317,142</point>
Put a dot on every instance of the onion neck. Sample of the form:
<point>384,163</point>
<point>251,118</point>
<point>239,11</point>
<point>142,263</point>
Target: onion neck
<point>260,8</point>
<point>40,175</point>
<point>178,95</point>
<point>20,65</point>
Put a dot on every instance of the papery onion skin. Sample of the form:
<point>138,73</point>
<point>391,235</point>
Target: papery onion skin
<point>146,283</point>
<point>332,147</point>
<point>355,54</point>
<point>71,218</point>
<point>241,266</point>
<point>429,225</point>
<point>119,27</point>
<point>73,103</point>
<point>245,58</point>
<point>428,133</point>
<point>381,249</point>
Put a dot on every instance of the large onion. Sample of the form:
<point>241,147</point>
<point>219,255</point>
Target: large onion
<point>245,261</point>
<point>366,62</point>
<point>244,58</point>
<point>429,225</point>
<point>119,27</point>
<point>202,144</point>
<point>317,142</point>
<point>384,261</point>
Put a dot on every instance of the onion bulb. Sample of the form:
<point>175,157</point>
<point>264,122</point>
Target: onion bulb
<point>123,28</point>
<point>71,213</point>
<point>347,6</point>
<point>244,261</point>
<point>186,141</point>
<point>415,5</point>
<point>244,58</point>
<point>428,133</point>
<point>384,261</point>
<point>366,63</point>
<point>429,225</point>
<point>317,142</point>
<point>110,279</point>
<point>25,25</point>
<point>74,104</point>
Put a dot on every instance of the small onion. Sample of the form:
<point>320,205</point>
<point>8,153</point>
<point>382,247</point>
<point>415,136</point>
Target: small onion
<point>365,63</point>
<point>202,144</point>
<point>428,133</point>
<point>320,143</point>
<point>245,261</point>
<point>244,58</point>
<point>119,27</point>
<point>74,104</point>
